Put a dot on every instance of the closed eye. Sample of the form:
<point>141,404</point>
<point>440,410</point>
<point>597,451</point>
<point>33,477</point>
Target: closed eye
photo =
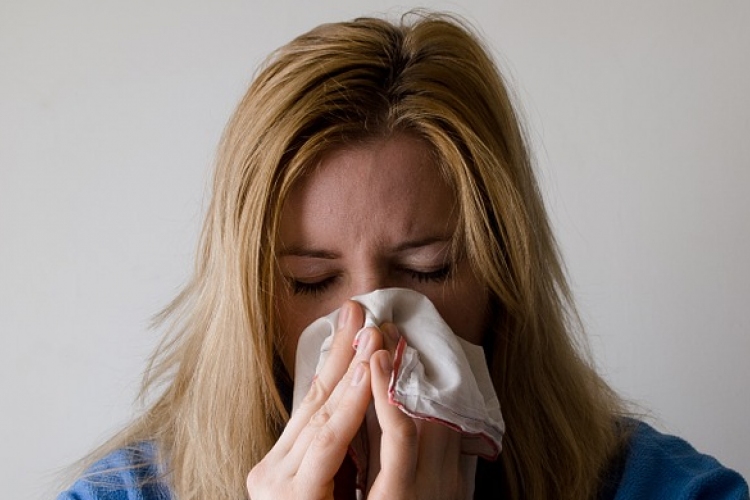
<point>434,276</point>
<point>314,288</point>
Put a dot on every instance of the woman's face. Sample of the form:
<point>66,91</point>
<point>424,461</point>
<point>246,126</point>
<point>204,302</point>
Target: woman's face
<point>373,216</point>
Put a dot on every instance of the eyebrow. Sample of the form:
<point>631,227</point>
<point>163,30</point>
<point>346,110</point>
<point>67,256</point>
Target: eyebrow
<point>302,251</point>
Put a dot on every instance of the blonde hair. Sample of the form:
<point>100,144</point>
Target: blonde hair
<point>221,409</point>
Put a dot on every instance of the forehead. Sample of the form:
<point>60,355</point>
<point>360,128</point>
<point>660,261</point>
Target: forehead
<point>393,184</point>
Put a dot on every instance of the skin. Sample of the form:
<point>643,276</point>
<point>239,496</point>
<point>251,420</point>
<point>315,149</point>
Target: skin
<point>367,217</point>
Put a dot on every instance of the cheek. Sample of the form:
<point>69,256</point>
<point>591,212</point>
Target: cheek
<point>467,319</point>
<point>289,336</point>
<point>464,305</point>
<point>294,313</point>
<point>291,320</point>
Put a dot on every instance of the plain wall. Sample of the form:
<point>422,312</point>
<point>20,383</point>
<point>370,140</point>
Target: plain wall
<point>110,112</point>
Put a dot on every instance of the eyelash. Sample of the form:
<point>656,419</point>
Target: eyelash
<point>436,276</point>
<point>304,288</point>
<point>313,289</point>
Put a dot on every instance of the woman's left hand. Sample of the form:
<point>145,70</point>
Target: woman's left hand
<point>413,459</point>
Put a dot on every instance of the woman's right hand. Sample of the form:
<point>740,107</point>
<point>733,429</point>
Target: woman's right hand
<point>305,459</point>
<point>411,458</point>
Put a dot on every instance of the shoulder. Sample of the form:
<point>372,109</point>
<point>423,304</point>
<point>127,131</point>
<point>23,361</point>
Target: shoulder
<point>657,465</point>
<point>125,474</point>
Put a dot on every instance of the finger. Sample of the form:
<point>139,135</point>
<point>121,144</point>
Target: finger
<point>399,445</point>
<point>391,335</point>
<point>329,433</point>
<point>314,477</point>
<point>339,403</point>
<point>369,341</point>
<point>374,436</point>
<point>439,455</point>
<point>351,318</point>
<point>446,467</point>
<point>468,467</point>
<point>350,321</point>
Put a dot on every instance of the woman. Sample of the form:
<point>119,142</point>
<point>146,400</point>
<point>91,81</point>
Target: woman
<point>369,155</point>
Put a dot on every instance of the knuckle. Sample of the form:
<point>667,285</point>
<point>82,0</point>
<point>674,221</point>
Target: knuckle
<point>318,393</point>
<point>321,417</point>
<point>326,437</point>
<point>256,478</point>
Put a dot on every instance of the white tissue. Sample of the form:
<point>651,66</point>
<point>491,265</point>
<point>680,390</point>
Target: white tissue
<point>437,375</point>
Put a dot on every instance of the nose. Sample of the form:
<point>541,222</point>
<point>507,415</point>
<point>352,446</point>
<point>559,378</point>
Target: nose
<point>369,279</point>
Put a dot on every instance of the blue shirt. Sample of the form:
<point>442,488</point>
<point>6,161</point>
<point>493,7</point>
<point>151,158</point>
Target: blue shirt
<point>662,466</point>
<point>655,466</point>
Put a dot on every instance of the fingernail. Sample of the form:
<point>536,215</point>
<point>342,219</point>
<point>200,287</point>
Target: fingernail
<point>385,363</point>
<point>343,315</point>
<point>359,372</point>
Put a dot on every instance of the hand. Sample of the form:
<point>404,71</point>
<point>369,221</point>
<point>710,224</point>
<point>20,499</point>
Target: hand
<point>303,462</point>
<point>417,459</point>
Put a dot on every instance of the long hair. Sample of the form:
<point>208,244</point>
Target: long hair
<point>220,407</point>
